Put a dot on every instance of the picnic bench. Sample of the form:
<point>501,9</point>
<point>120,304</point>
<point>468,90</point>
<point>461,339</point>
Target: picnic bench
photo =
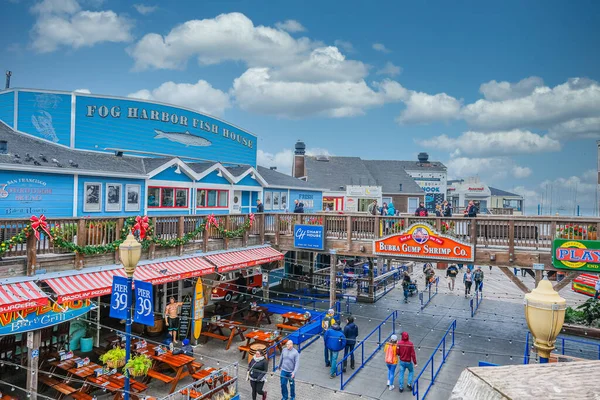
<point>215,330</point>
<point>285,327</point>
<point>181,364</point>
<point>258,314</point>
<point>53,383</point>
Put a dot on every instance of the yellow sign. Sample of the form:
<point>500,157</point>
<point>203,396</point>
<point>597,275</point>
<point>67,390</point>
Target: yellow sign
<point>198,309</point>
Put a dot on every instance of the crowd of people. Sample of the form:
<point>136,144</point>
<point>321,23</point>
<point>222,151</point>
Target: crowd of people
<point>441,210</point>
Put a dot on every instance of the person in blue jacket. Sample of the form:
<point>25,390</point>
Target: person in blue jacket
<point>351,333</point>
<point>335,341</point>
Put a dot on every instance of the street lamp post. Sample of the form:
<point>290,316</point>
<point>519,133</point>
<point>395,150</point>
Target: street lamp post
<point>130,252</point>
<point>545,315</point>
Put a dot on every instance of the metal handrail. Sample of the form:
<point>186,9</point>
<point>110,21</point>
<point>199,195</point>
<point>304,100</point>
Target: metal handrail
<point>339,367</point>
<point>477,302</point>
<point>434,372</point>
<point>560,339</point>
<point>421,297</point>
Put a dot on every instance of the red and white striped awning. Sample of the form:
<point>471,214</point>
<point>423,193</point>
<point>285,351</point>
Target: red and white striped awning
<point>233,260</point>
<point>21,295</point>
<point>95,284</point>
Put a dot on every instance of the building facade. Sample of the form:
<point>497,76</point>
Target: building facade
<point>490,200</point>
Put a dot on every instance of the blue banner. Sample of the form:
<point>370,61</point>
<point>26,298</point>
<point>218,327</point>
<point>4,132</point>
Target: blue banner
<point>144,303</point>
<point>119,298</point>
<point>35,318</point>
<point>309,237</point>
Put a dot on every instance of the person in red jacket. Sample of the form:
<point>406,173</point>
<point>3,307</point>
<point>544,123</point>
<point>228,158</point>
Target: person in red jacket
<point>407,356</point>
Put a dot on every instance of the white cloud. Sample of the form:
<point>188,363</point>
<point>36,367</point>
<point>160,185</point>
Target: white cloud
<point>64,23</point>
<point>498,91</point>
<point>390,69</point>
<point>144,9</point>
<point>544,108</point>
<point>283,159</point>
<point>200,96</point>
<point>521,172</point>
<point>381,47</point>
<point>425,108</point>
<point>227,37</point>
<point>495,143</point>
<point>86,91</point>
<point>579,128</point>
<point>290,25</point>
<point>348,47</point>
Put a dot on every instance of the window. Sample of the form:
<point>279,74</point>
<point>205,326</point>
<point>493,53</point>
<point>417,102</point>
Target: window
<point>413,203</point>
<point>207,198</point>
<point>167,197</point>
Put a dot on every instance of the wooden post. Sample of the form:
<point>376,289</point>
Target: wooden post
<point>34,339</point>
<point>371,281</point>
<point>82,241</point>
<point>566,280</point>
<point>511,241</point>
<point>31,253</point>
<point>277,228</point>
<point>227,228</point>
<point>119,227</point>
<point>348,232</point>
<point>376,229</point>
<point>180,233</point>
<point>245,238</point>
<point>514,279</point>
<point>266,285</point>
<point>205,238</point>
<point>332,280</point>
<point>152,248</point>
<point>538,277</point>
<point>438,224</point>
<point>262,221</point>
<point>473,222</point>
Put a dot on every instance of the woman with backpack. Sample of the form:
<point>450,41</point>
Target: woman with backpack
<point>468,280</point>
<point>391,359</point>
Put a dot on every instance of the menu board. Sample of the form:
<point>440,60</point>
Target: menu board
<point>185,317</point>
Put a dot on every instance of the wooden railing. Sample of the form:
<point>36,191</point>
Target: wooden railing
<point>496,232</point>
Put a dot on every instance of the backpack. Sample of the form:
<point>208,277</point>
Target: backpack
<point>478,275</point>
<point>390,354</point>
<point>326,322</point>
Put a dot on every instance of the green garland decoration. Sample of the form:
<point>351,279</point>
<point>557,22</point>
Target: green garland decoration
<point>57,234</point>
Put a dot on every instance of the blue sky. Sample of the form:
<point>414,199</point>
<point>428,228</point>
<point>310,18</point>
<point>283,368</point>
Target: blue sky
<point>504,90</point>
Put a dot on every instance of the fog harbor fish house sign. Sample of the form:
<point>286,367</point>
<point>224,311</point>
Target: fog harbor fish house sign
<point>420,241</point>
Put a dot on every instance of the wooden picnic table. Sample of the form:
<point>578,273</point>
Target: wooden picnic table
<point>179,363</point>
<point>115,383</point>
<point>234,327</point>
<point>222,306</point>
<point>258,336</point>
<point>205,373</point>
<point>256,315</point>
<point>295,319</point>
<point>70,366</point>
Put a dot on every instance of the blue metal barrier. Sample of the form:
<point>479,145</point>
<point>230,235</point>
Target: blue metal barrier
<point>360,347</point>
<point>561,346</point>
<point>434,372</point>
<point>475,304</point>
<point>421,296</point>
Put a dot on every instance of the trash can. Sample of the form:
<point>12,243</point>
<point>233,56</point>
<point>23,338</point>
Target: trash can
<point>87,344</point>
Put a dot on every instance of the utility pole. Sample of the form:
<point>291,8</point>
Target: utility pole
<point>8,75</point>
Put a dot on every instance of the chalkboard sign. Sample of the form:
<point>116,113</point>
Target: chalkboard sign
<point>185,317</point>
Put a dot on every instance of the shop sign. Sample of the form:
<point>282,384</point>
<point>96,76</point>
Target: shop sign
<point>119,298</point>
<point>576,255</point>
<point>144,303</point>
<point>371,192</point>
<point>309,237</point>
<point>34,318</point>
<point>423,242</point>
<point>476,189</point>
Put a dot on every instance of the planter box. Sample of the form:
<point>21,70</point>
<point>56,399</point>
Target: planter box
<point>580,330</point>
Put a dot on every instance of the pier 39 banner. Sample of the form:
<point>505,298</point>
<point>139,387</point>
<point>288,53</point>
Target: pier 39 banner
<point>421,241</point>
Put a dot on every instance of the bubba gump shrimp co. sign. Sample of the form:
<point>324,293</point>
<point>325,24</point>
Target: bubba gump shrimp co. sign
<point>423,242</point>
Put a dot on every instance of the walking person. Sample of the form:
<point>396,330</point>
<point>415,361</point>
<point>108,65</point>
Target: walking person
<point>446,209</point>
<point>406,285</point>
<point>438,211</point>
<point>421,211</point>
<point>451,274</point>
<point>351,333</point>
<point>260,207</point>
<point>335,341</point>
<point>391,359</point>
<point>429,275</point>
<point>373,209</point>
<point>384,209</point>
<point>327,321</point>
<point>597,287</point>
<point>468,281</point>
<point>471,210</point>
<point>478,278</point>
<point>298,207</point>
<point>407,356</point>
<point>257,374</point>
<point>288,365</point>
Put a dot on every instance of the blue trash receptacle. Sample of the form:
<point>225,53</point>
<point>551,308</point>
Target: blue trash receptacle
<point>86,344</point>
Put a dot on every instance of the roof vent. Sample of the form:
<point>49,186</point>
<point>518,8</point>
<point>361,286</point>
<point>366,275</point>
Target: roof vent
<point>3,147</point>
<point>300,148</point>
<point>273,168</point>
<point>423,158</point>
<point>322,158</point>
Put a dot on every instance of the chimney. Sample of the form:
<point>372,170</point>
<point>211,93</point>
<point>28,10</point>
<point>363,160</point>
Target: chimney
<point>8,75</point>
<point>273,168</point>
<point>299,166</point>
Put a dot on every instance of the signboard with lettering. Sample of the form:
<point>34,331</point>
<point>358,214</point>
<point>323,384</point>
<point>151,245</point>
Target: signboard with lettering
<point>313,201</point>
<point>35,318</point>
<point>309,237</point>
<point>185,317</point>
<point>421,241</point>
<point>372,192</point>
<point>144,303</point>
<point>576,255</point>
<point>119,298</point>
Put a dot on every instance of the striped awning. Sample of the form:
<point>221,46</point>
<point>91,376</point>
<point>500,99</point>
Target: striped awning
<point>95,284</point>
<point>21,295</point>
<point>233,260</point>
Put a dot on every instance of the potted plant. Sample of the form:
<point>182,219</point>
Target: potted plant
<point>138,366</point>
<point>114,358</point>
<point>592,232</point>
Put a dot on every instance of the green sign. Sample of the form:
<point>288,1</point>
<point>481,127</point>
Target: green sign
<point>576,255</point>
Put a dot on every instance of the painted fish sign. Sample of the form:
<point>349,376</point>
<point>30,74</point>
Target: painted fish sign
<point>185,138</point>
<point>576,255</point>
<point>421,241</point>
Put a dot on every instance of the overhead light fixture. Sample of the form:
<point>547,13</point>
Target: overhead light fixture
<point>177,170</point>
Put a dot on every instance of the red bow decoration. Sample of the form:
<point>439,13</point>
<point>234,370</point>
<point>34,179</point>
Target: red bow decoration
<point>251,217</point>
<point>39,223</point>
<point>211,220</point>
<point>141,224</point>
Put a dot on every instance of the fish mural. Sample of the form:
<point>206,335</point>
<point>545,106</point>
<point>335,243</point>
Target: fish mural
<point>185,138</point>
<point>43,124</point>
